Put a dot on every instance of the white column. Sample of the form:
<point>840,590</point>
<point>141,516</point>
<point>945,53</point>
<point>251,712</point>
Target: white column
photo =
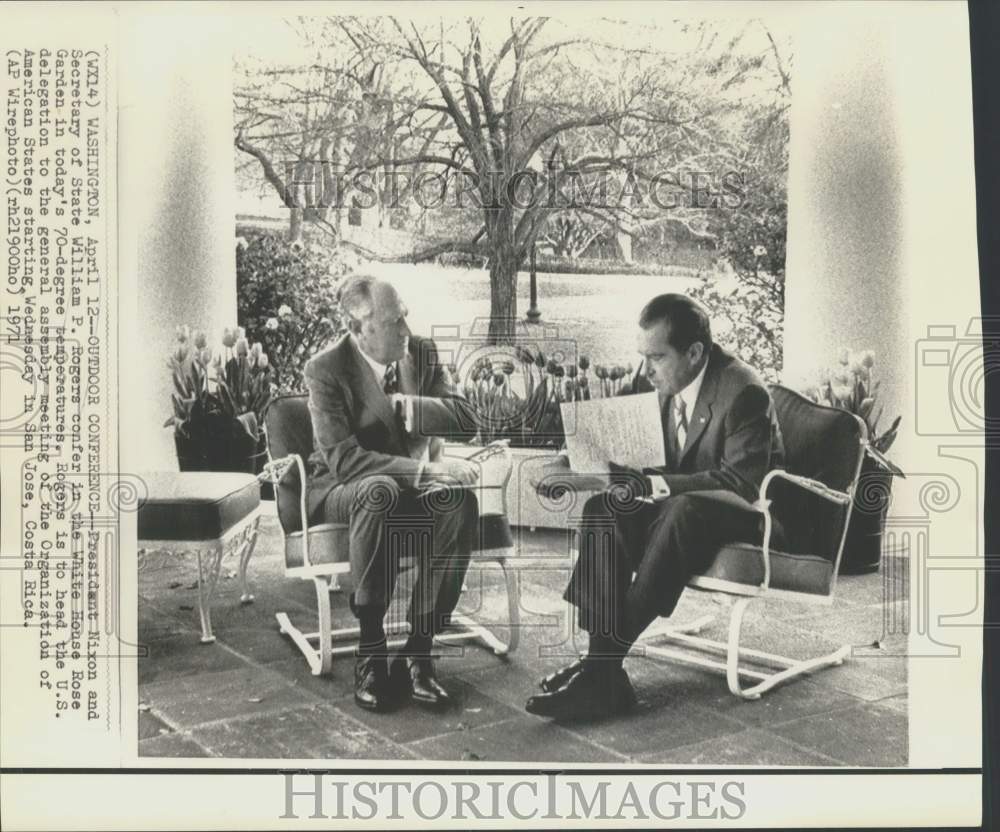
<point>176,204</point>
<point>882,247</point>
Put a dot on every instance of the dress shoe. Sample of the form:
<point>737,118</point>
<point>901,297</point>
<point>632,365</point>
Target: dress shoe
<point>415,677</point>
<point>554,681</point>
<point>371,682</point>
<point>592,692</point>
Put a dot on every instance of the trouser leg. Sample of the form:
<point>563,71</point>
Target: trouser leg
<point>442,563</point>
<point>603,569</point>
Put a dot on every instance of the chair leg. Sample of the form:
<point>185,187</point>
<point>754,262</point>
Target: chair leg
<point>320,658</point>
<point>788,668</point>
<point>791,667</point>
<point>245,548</point>
<point>472,629</point>
<point>208,578</point>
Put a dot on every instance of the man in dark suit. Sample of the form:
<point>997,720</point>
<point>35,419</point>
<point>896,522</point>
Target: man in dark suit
<point>376,398</point>
<point>644,537</point>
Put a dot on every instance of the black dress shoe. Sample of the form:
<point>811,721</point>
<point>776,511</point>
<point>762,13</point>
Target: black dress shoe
<point>554,681</point>
<point>414,676</point>
<point>592,692</point>
<point>371,682</point>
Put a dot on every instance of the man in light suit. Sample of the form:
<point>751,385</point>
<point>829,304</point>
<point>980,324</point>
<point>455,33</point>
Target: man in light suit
<point>721,437</point>
<point>376,398</point>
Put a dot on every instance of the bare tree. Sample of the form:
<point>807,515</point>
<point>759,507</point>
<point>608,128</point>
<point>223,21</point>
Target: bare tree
<point>532,117</point>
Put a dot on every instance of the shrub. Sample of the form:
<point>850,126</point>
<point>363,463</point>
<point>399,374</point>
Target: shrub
<point>746,321</point>
<point>287,299</point>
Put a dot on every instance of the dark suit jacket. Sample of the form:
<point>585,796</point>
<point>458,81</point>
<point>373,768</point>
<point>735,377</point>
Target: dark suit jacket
<point>733,438</point>
<point>356,432</point>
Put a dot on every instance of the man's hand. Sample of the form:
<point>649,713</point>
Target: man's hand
<point>628,483</point>
<point>402,406</point>
<point>450,471</point>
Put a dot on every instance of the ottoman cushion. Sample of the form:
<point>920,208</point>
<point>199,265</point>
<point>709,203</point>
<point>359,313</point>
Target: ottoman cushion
<point>195,505</point>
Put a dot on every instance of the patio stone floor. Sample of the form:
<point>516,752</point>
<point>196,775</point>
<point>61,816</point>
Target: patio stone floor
<point>251,694</point>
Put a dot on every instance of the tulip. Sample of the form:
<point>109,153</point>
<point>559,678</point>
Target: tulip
<point>205,357</point>
<point>559,371</point>
<point>845,357</point>
<point>271,323</point>
<point>183,333</point>
<point>498,379</point>
<point>584,382</point>
<point>550,366</point>
<point>200,341</point>
<point>263,361</point>
<point>228,338</point>
<point>256,350</point>
<point>540,360</point>
<point>242,347</point>
<point>600,371</point>
<point>240,333</point>
<point>180,354</point>
<point>584,363</point>
<point>571,371</point>
<point>284,310</point>
<point>868,358</point>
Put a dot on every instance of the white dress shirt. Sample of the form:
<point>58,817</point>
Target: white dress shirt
<point>689,395</point>
<point>379,370</point>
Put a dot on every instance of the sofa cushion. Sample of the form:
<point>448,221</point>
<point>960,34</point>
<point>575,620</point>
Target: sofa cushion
<point>743,563</point>
<point>195,505</point>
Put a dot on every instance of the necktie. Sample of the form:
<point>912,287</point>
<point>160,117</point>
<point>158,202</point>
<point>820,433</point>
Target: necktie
<point>389,385</point>
<point>680,419</point>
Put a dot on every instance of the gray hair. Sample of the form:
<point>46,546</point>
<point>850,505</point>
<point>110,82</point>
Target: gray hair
<point>355,298</point>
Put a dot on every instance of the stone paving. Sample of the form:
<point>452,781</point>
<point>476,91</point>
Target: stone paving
<point>251,695</point>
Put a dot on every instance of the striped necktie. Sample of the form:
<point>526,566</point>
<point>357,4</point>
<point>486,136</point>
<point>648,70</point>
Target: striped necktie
<point>680,420</point>
<point>389,381</point>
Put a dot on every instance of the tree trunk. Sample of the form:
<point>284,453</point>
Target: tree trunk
<point>503,295</point>
<point>294,225</point>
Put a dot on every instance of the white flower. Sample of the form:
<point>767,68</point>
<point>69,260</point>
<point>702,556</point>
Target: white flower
<point>759,251</point>
<point>263,361</point>
<point>284,310</point>
<point>241,242</point>
<point>271,323</point>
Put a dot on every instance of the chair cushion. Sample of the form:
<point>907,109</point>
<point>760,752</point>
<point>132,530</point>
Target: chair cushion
<point>328,543</point>
<point>195,505</point>
<point>744,563</point>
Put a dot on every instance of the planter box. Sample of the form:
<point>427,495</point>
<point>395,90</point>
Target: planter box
<point>524,506</point>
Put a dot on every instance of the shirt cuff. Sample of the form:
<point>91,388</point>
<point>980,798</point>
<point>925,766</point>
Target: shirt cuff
<point>659,490</point>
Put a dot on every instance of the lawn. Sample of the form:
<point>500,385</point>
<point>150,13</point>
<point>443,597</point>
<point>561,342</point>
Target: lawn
<point>594,314</point>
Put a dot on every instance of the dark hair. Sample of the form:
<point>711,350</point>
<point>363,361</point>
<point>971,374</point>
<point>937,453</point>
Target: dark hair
<point>687,318</point>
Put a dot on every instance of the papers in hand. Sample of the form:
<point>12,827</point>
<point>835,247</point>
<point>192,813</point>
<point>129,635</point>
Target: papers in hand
<point>625,429</point>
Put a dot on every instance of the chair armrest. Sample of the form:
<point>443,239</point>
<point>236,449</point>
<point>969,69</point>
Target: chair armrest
<point>275,470</point>
<point>763,505</point>
<point>813,486</point>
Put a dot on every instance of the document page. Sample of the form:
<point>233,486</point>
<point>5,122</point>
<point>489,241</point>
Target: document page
<point>623,429</point>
